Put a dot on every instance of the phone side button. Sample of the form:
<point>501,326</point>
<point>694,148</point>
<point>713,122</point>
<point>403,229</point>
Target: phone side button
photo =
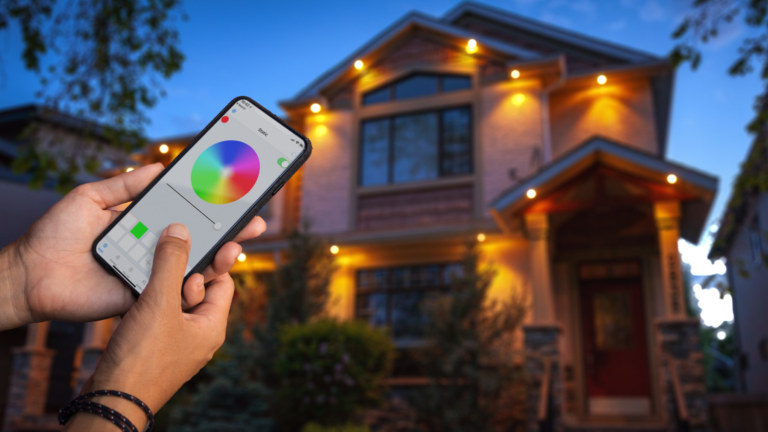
<point>277,188</point>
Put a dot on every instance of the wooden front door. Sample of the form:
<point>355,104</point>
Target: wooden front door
<point>616,366</point>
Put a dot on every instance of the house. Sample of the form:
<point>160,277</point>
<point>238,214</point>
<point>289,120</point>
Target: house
<point>549,148</point>
<point>742,239</point>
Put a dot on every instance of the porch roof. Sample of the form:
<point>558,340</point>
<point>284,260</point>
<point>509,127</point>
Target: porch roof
<point>694,189</point>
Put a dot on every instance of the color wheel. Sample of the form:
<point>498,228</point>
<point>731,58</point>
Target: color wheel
<point>225,172</point>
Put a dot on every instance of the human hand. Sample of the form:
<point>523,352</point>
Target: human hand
<point>157,347</point>
<point>50,273</point>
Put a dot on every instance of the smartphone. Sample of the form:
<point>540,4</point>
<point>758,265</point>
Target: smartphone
<point>214,187</point>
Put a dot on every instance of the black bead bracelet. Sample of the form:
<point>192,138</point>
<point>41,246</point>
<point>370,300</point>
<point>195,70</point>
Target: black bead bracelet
<point>83,403</point>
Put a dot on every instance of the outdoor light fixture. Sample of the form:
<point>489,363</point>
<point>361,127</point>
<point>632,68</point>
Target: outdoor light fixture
<point>334,249</point>
<point>471,46</point>
<point>241,257</point>
<point>602,79</point>
<point>671,179</point>
<point>481,237</point>
<point>531,193</point>
<point>515,74</point>
<point>359,64</point>
<point>129,169</point>
<point>315,107</point>
<point>163,148</point>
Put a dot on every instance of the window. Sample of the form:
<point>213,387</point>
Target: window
<point>756,240</point>
<point>393,297</point>
<point>417,85</point>
<point>414,147</point>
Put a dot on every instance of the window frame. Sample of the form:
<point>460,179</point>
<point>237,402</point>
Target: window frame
<point>390,87</point>
<point>390,117</point>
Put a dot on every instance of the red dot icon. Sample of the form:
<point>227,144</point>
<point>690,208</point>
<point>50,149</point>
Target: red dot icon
<point>224,119</point>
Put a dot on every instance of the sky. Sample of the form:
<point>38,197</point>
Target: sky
<point>271,50</point>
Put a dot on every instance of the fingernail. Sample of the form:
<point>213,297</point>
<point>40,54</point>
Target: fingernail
<point>177,230</point>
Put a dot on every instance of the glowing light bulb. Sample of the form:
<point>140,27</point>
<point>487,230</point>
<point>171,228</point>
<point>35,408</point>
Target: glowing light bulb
<point>129,169</point>
<point>315,107</point>
<point>334,249</point>
<point>671,179</point>
<point>471,46</point>
<point>481,237</point>
<point>163,148</point>
<point>602,79</point>
<point>359,64</point>
<point>531,193</point>
<point>515,74</point>
<point>241,257</point>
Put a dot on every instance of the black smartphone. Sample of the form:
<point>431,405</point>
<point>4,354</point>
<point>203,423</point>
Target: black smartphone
<point>214,187</point>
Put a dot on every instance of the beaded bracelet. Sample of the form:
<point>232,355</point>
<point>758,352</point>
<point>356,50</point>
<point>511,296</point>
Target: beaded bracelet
<point>83,404</point>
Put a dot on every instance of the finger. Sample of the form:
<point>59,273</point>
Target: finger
<point>124,187</point>
<point>218,299</point>
<point>223,261</point>
<point>255,228</point>
<point>168,268</point>
<point>193,291</point>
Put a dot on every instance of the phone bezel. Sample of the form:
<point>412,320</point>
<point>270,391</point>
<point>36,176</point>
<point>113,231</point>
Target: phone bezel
<point>242,220</point>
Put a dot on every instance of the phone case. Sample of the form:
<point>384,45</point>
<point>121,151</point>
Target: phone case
<point>241,222</point>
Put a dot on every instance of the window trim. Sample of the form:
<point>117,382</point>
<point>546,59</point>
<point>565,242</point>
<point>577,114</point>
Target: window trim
<point>439,110</point>
<point>390,86</point>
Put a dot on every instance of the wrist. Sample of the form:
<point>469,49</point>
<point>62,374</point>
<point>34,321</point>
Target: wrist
<point>14,307</point>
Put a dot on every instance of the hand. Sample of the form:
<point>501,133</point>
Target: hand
<point>49,273</point>
<point>157,347</point>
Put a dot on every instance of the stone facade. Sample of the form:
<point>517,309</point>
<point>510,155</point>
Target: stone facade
<point>542,349</point>
<point>29,385</point>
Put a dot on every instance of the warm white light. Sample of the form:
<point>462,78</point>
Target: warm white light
<point>471,46</point>
<point>163,148</point>
<point>334,249</point>
<point>515,74</point>
<point>315,107</point>
<point>241,257</point>
<point>602,79</point>
<point>531,193</point>
<point>671,179</point>
<point>359,64</point>
<point>721,334</point>
<point>129,169</point>
<point>481,237</point>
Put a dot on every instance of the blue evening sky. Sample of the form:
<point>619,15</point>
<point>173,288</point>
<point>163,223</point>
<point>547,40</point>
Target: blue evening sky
<point>270,50</point>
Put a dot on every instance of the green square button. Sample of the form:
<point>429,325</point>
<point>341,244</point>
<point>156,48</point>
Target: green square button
<point>138,230</point>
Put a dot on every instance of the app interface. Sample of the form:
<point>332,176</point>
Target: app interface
<point>208,190</point>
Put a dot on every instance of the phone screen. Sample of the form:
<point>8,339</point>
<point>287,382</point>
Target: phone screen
<point>209,188</point>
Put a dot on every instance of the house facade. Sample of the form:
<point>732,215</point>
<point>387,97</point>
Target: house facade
<point>546,147</point>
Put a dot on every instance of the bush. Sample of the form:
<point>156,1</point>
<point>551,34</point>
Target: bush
<point>314,427</point>
<point>329,371</point>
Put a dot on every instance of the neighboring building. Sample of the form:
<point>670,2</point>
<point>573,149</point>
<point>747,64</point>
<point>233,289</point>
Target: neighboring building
<point>549,143</point>
<point>742,240</point>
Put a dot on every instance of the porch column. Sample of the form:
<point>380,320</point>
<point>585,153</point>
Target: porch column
<point>667,215</point>
<point>682,375</point>
<point>542,350</point>
<point>95,338</point>
<point>30,371</point>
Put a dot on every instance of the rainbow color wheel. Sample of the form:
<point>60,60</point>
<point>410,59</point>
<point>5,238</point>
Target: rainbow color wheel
<point>225,172</point>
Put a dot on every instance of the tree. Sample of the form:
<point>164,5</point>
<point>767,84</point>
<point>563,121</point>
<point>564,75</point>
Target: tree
<point>474,384</point>
<point>99,59</point>
<point>701,26</point>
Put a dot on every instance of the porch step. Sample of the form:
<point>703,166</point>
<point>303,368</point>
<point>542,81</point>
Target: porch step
<point>615,427</point>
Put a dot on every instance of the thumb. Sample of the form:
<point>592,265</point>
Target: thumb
<point>168,268</point>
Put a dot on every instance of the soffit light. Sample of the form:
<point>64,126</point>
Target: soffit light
<point>602,79</point>
<point>671,179</point>
<point>531,193</point>
<point>471,46</point>
<point>315,107</point>
<point>515,74</point>
<point>163,148</point>
<point>359,64</point>
<point>241,257</point>
<point>334,249</point>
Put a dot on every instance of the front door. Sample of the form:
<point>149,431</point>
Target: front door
<point>616,368</point>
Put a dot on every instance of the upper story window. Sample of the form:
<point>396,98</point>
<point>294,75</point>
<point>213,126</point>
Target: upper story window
<point>417,85</point>
<point>416,146</point>
<point>756,240</point>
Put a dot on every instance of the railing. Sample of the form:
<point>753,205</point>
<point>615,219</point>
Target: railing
<point>677,391</point>
<point>544,411</point>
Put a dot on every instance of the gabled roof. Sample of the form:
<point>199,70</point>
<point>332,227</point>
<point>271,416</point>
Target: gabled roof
<point>600,151</point>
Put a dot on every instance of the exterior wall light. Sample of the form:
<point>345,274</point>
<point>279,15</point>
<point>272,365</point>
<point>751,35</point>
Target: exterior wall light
<point>671,179</point>
<point>531,193</point>
<point>163,148</point>
<point>359,64</point>
<point>515,74</point>
<point>315,107</point>
<point>602,79</point>
<point>471,46</point>
<point>334,249</point>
